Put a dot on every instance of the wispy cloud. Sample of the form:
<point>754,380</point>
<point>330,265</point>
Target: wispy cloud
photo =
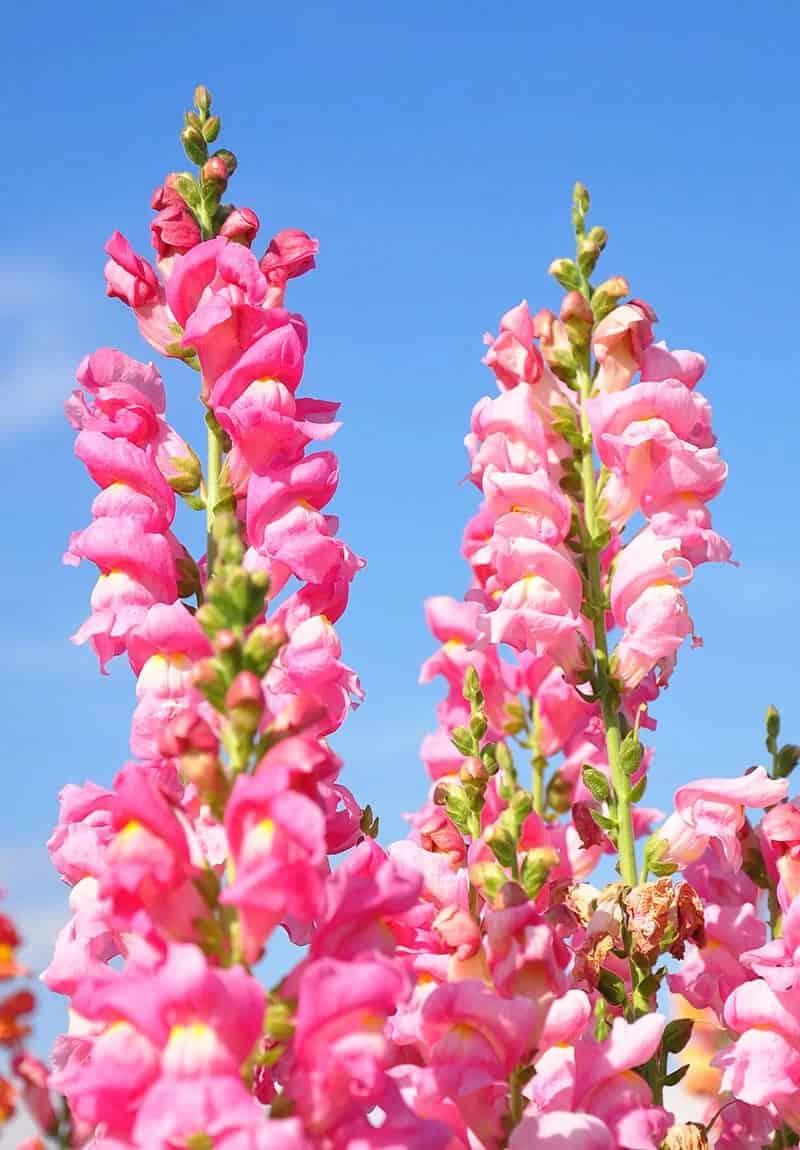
<point>38,319</point>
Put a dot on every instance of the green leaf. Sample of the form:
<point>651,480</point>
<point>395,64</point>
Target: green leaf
<point>637,792</point>
<point>612,988</point>
<point>631,753</point>
<point>677,1034</point>
<point>603,821</point>
<point>596,783</point>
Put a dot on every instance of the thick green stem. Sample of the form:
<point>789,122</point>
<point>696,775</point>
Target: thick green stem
<point>213,469</point>
<point>619,780</point>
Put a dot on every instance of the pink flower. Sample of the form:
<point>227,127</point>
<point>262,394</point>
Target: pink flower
<point>658,362</point>
<point>762,1068</point>
<point>600,1082</point>
<point>512,355</point>
<point>174,230</point>
<point>290,253</point>
<point>648,605</point>
<point>713,809</point>
<point>777,961</point>
<point>134,281</point>
<point>780,837</point>
<point>619,342</point>
<point>340,1052</point>
<point>277,844</point>
<point>708,974</point>
<point>557,1129</point>
<point>538,601</point>
<point>128,276</point>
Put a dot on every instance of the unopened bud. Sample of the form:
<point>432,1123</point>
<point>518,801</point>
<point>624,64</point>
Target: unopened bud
<point>215,170</point>
<point>208,680</point>
<point>187,188</point>
<point>210,619</point>
<point>580,198</point>
<point>502,844</point>
<point>278,1021</point>
<point>241,226</point>
<point>202,99</point>
<point>187,471</point>
<point>194,145</point>
<point>607,295</point>
<point>559,793</point>
<point>566,273</point>
<point>244,702</point>
<point>211,129</point>
<point>228,158</point>
<point>262,645</point>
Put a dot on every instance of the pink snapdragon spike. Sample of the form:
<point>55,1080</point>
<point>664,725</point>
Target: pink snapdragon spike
<point>469,988</point>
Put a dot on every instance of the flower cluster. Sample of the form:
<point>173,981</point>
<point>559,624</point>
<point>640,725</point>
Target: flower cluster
<point>220,829</point>
<point>481,984</point>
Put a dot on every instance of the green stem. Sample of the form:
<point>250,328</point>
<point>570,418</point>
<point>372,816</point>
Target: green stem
<point>213,470</point>
<point>538,762</point>
<point>596,605</point>
<point>517,1098</point>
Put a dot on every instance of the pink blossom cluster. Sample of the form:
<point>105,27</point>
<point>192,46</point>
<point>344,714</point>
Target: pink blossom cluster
<point>221,828</point>
<point>481,984</point>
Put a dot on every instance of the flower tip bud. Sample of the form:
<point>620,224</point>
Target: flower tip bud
<point>580,197</point>
<point>202,99</point>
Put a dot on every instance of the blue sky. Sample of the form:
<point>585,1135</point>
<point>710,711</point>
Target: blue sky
<point>432,148</point>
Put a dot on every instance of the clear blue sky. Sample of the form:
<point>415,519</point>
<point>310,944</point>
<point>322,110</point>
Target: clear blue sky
<point>432,148</point>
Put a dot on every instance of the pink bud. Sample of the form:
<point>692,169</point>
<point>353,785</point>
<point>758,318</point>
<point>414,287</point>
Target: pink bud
<point>215,168</point>
<point>241,226</point>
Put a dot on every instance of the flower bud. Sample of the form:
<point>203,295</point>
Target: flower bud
<point>187,188</point>
<point>566,273</point>
<point>502,844</point>
<point>607,295</point>
<point>576,314</point>
<point>244,702</point>
<point>202,99</point>
<point>194,145</point>
<point>241,226</point>
<point>228,158</point>
<point>215,170</point>
<point>211,129</point>
<point>261,647</point>
<point>209,681</point>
